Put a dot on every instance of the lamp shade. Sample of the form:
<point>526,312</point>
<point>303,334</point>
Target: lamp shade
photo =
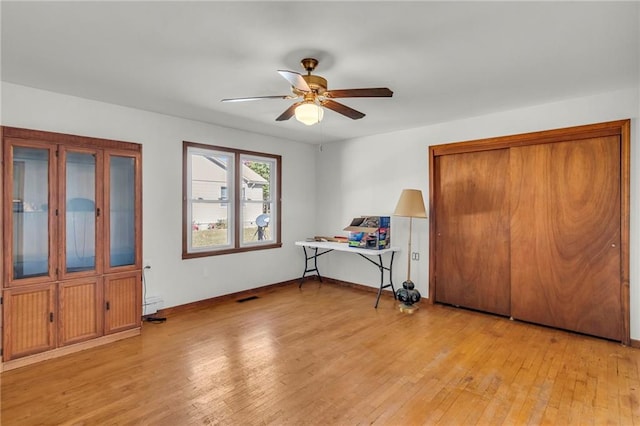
<point>309,113</point>
<point>410,204</point>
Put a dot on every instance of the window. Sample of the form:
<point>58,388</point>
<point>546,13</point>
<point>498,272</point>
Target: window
<point>231,200</point>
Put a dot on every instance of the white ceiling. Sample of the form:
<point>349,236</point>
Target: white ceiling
<point>443,60</point>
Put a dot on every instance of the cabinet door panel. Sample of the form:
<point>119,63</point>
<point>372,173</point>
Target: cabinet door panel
<point>565,235</point>
<point>123,301</point>
<point>123,204</point>
<point>472,230</point>
<point>80,310</point>
<point>29,320</point>
<point>29,229</point>
<point>80,204</point>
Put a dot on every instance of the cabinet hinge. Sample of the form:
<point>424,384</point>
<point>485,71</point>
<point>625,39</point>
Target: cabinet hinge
<point>1,300</point>
<point>1,352</point>
<point>57,153</point>
<point>56,212</point>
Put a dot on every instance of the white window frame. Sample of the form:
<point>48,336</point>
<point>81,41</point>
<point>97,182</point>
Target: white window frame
<point>197,150</point>
<point>272,229</point>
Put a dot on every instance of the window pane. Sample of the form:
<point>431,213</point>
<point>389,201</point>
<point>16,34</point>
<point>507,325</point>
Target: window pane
<point>256,226</point>
<point>211,187</point>
<point>80,212</point>
<point>209,226</point>
<point>257,178</point>
<point>122,215</point>
<point>30,212</point>
<point>256,199</point>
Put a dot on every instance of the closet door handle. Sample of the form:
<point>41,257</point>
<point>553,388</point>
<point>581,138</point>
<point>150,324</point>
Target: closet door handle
<point>50,316</point>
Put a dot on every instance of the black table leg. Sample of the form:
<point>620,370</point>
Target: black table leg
<point>383,268</point>
<point>313,257</point>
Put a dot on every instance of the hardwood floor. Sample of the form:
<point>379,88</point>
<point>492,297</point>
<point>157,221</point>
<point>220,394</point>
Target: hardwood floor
<point>324,356</point>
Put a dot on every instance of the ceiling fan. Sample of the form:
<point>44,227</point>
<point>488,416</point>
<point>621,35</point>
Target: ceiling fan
<point>315,96</point>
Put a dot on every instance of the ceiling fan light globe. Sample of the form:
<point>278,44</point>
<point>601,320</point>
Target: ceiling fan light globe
<point>309,114</point>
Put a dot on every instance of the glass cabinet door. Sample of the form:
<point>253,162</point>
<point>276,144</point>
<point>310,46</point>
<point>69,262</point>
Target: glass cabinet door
<point>80,209</point>
<point>123,217</point>
<point>31,231</point>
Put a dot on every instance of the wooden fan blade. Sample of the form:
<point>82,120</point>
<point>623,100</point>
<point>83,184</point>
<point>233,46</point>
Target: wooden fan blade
<point>288,113</point>
<point>378,92</point>
<point>256,98</point>
<point>295,79</point>
<point>342,109</point>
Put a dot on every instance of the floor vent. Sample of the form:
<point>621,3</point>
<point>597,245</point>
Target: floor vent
<point>246,299</point>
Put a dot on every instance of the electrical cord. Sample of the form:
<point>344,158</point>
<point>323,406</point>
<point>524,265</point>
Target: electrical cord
<point>155,320</point>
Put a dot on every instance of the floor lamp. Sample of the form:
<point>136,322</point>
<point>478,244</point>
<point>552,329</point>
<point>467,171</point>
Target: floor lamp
<point>410,205</point>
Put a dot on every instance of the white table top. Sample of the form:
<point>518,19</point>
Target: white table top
<point>328,245</point>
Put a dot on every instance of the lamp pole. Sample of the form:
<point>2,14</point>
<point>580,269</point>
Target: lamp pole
<point>409,253</point>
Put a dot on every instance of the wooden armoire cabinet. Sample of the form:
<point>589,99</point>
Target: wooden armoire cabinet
<point>535,227</point>
<point>71,273</point>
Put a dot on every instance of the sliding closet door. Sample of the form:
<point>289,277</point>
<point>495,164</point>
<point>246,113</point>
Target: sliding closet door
<point>565,235</point>
<point>472,230</point>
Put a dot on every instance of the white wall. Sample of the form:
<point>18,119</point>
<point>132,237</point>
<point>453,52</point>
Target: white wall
<point>365,177</point>
<point>180,281</point>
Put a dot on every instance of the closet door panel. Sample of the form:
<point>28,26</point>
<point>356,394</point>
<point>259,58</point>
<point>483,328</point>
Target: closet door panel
<point>565,235</point>
<point>472,230</point>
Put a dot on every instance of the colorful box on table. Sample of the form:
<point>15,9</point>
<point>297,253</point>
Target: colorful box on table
<point>370,232</point>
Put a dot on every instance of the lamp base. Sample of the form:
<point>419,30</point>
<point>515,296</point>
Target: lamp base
<point>408,309</point>
<point>408,295</point>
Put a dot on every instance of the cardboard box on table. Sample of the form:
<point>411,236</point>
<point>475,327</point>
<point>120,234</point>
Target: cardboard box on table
<point>370,232</point>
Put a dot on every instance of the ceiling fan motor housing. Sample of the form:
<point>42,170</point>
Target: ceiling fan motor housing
<point>316,83</point>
